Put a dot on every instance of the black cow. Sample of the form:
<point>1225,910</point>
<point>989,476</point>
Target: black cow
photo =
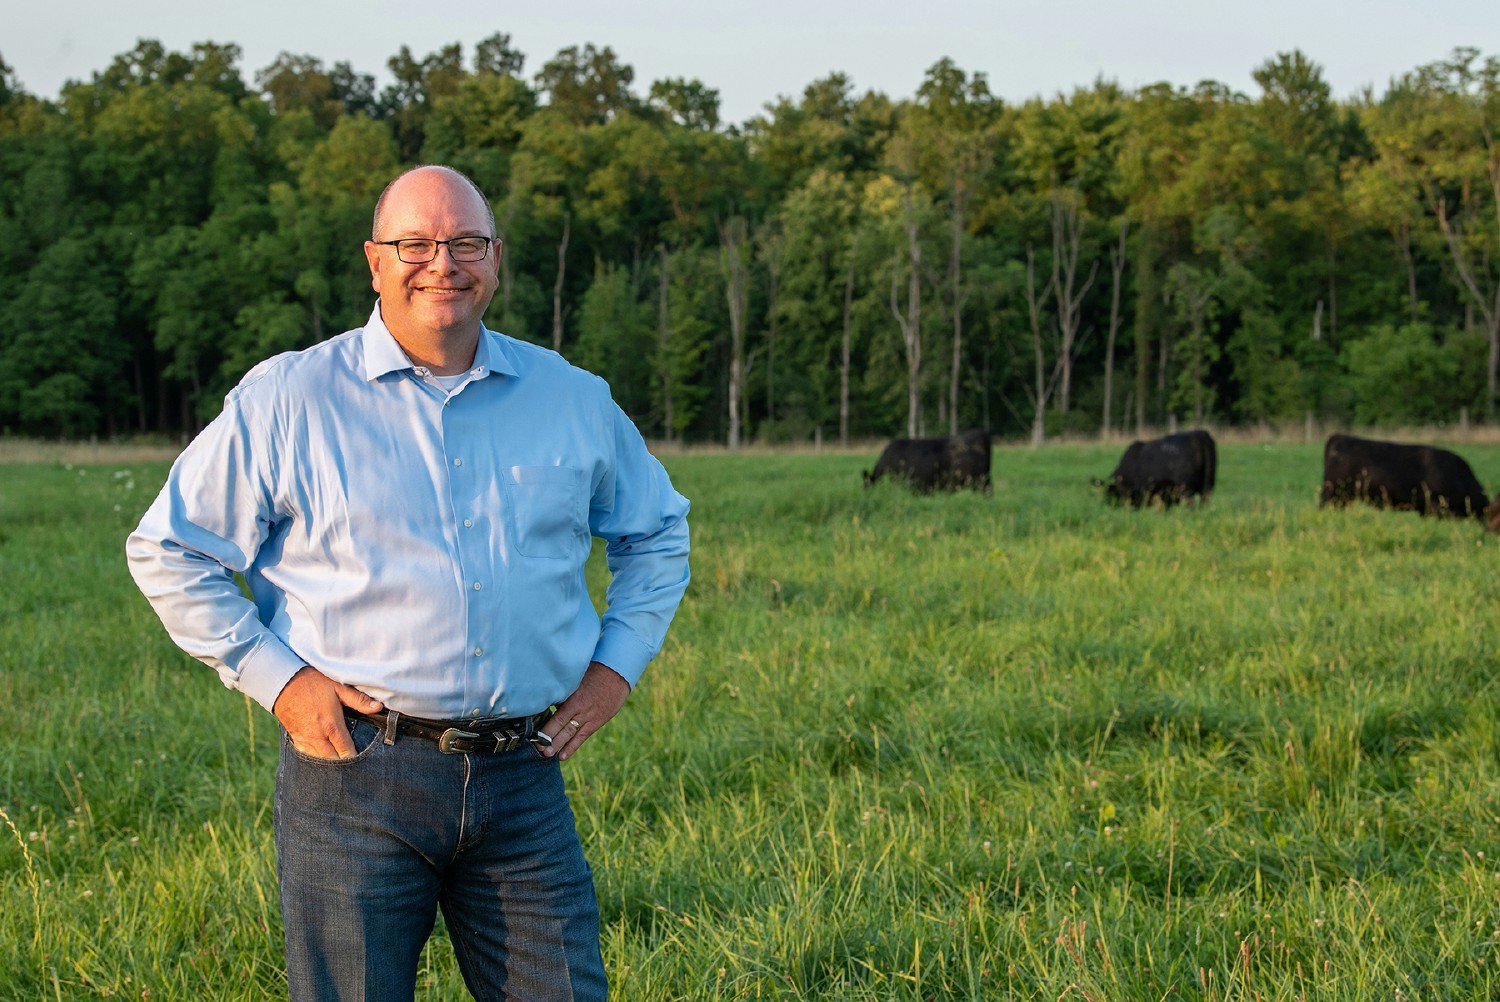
<point>928,464</point>
<point>1168,469</point>
<point>1420,478</point>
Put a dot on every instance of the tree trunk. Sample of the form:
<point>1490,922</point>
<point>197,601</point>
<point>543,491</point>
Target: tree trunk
<point>140,393</point>
<point>955,274</point>
<point>846,348</point>
<point>557,286</point>
<point>1041,388</point>
<point>913,328</point>
<point>1333,298</point>
<point>1067,241</point>
<point>1148,302</point>
<point>664,341</point>
<point>1484,294</point>
<point>1403,241</point>
<point>911,323</point>
<point>773,274</point>
<point>507,275</point>
<point>731,252</point>
<point>1117,268</point>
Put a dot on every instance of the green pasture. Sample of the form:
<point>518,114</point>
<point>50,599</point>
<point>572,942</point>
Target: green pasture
<point>1015,746</point>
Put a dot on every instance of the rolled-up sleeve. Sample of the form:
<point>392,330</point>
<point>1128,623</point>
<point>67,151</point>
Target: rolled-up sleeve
<point>207,524</point>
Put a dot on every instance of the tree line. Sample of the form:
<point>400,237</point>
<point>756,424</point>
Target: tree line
<point>842,265</point>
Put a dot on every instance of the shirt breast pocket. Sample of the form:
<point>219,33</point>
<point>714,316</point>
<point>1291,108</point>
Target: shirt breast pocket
<point>546,510</point>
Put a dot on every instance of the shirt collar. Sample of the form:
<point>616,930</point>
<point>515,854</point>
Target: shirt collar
<point>384,355</point>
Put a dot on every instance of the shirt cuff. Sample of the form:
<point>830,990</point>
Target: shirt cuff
<point>266,672</point>
<point>624,654</point>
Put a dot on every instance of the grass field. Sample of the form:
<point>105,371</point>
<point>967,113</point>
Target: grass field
<point>1017,746</point>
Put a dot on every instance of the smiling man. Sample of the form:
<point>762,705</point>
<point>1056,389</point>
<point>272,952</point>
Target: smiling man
<point>433,307</point>
<point>411,504</point>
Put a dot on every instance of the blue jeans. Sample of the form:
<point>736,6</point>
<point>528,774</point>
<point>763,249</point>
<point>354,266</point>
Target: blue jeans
<point>369,848</point>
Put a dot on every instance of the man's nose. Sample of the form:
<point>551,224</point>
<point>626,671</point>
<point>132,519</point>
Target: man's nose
<point>442,259</point>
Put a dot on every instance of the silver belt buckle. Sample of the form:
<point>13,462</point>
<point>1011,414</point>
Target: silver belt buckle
<point>452,734</point>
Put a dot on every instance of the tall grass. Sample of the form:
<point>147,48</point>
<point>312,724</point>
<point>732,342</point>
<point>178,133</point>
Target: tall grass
<point>957,747</point>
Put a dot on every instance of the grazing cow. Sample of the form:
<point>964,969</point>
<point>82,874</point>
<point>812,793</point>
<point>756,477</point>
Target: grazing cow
<point>1168,469</point>
<point>1492,515</point>
<point>1420,478</point>
<point>927,464</point>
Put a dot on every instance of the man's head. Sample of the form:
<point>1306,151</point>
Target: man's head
<point>441,297</point>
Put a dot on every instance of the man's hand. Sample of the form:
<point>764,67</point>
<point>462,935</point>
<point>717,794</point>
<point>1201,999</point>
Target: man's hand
<point>311,708</point>
<point>599,697</point>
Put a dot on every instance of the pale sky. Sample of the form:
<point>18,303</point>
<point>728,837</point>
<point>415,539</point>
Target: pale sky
<point>754,53</point>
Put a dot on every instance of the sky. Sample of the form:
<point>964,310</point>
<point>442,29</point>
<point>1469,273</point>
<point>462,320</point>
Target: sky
<point>753,54</point>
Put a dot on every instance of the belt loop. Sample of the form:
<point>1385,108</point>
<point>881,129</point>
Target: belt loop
<point>392,718</point>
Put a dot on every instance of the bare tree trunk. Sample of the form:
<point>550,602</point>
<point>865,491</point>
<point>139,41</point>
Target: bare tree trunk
<point>1117,268</point>
<point>317,317</point>
<point>1486,299</point>
<point>557,286</point>
<point>911,324</point>
<point>955,274</point>
<point>507,273</point>
<point>773,257</point>
<point>1193,296</point>
<point>140,393</point>
<point>1149,330</point>
<point>1333,297</point>
<point>664,341</point>
<point>732,256</point>
<point>913,319</point>
<point>1163,353</point>
<point>1198,307</point>
<point>846,348</point>
<point>1042,387</point>
<point>1403,242</point>
<point>1067,241</point>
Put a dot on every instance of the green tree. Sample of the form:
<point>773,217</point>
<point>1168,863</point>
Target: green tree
<point>587,86</point>
<point>1409,374</point>
<point>58,376</point>
<point>616,337</point>
<point>1461,155</point>
<point>819,225</point>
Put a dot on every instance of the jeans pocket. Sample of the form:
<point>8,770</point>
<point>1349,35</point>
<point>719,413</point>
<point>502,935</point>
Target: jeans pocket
<point>363,733</point>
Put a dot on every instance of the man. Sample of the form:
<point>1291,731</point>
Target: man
<point>411,505</point>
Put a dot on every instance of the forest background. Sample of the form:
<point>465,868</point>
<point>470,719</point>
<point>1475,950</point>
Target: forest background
<point>841,266</point>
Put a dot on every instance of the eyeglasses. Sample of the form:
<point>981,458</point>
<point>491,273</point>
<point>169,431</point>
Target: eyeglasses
<point>463,249</point>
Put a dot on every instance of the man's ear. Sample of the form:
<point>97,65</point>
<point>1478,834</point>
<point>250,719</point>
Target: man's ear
<point>372,255</point>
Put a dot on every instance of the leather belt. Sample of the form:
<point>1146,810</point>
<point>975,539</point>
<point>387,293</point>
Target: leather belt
<point>460,737</point>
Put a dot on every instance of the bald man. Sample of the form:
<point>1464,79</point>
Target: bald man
<point>411,505</point>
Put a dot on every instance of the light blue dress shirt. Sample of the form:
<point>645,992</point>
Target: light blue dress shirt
<point>424,545</point>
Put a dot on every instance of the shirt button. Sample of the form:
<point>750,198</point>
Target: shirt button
<point>468,523</point>
<point>477,586</point>
<point>458,462</point>
<point>479,652</point>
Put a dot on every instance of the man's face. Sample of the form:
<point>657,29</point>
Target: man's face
<point>443,296</point>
